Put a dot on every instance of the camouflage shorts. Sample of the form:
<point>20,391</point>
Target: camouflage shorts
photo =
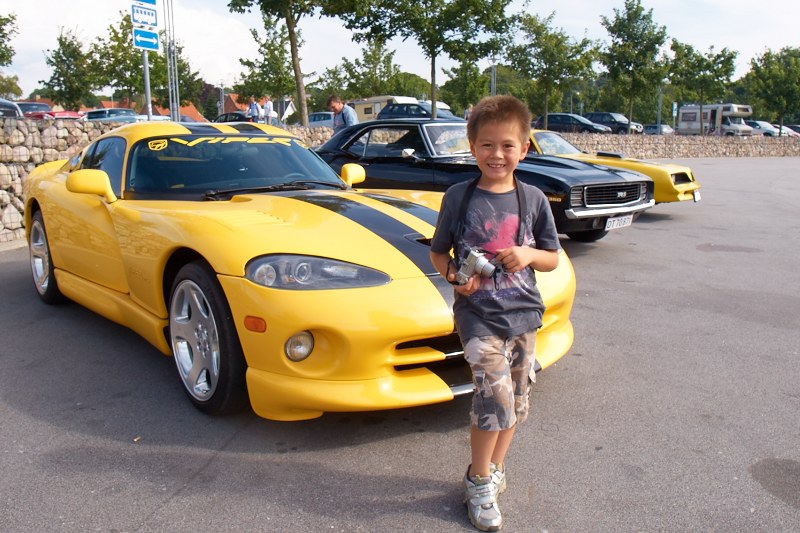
<point>501,372</point>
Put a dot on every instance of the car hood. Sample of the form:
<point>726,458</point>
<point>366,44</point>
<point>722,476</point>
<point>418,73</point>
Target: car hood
<point>576,172</point>
<point>389,231</point>
<point>627,162</point>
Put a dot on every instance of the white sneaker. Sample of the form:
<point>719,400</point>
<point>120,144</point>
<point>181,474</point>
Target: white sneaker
<point>480,496</point>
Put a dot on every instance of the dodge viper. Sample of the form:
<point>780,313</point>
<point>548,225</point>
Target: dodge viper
<point>673,183</point>
<point>235,249</point>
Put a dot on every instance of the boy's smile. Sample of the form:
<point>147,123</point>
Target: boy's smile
<point>498,149</point>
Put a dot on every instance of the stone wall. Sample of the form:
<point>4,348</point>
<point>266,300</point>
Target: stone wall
<point>24,144</point>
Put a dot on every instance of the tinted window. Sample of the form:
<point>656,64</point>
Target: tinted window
<point>108,155</point>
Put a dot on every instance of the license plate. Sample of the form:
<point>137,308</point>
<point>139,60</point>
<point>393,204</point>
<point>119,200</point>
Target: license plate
<point>619,222</point>
<point>696,196</point>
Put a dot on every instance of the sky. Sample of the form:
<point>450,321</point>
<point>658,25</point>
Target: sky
<point>214,39</point>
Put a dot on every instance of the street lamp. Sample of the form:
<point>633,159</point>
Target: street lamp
<point>493,78</point>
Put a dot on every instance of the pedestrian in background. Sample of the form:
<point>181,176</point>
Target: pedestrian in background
<point>343,115</point>
<point>267,110</point>
<point>253,109</point>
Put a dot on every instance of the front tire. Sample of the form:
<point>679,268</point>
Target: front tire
<point>206,347</point>
<point>42,267</point>
<point>588,236</point>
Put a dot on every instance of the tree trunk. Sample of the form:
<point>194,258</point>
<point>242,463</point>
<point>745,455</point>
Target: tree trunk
<point>302,105</point>
<point>433,85</point>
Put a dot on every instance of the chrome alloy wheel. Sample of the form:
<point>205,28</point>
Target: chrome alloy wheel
<point>40,256</point>
<point>195,340</point>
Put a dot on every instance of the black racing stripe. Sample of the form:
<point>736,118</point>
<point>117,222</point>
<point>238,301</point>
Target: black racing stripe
<point>247,127</point>
<point>421,212</point>
<point>199,128</point>
<point>402,237</point>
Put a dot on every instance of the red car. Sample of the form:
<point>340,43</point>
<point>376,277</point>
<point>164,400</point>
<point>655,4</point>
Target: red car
<point>41,110</point>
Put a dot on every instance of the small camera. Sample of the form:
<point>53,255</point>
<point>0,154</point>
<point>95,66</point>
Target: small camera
<point>475,262</point>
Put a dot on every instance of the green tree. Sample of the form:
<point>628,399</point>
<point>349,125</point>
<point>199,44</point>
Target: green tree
<point>408,84</point>
<point>118,65</point>
<point>271,72</point>
<point>550,57</point>
<point>632,57</point>
<point>9,87</point>
<point>372,74</point>
<point>776,81</point>
<point>332,81</point>
<point>700,77</point>
<point>8,27</point>
<point>71,80</point>
<point>459,29</point>
<point>466,86</point>
<point>290,11</point>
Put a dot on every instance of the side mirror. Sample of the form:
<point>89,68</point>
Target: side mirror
<point>352,174</point>
<point>408,153</point>
<point>90,181</point>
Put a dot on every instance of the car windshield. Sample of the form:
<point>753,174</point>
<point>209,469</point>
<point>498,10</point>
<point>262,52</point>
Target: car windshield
<point>121,112</point>
<point>448,139</point>
<point>29,107</point>
<point>199,166</point>
<point>554,144</point>
<point>619,117</point>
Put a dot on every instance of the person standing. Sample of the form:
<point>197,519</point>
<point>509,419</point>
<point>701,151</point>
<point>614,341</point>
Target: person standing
<point>510,224</point>
<point>253,109</point>
<point>267,110</point>
<point>343,115</point>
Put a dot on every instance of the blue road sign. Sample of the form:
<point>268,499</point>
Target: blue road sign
<point>143,16</point>
<point>146,40</point>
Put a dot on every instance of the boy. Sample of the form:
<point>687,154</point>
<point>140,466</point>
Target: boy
<point>497,316</point>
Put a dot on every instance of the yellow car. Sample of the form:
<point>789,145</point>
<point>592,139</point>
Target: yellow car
<point>673,183</point>
<point>237,250</point>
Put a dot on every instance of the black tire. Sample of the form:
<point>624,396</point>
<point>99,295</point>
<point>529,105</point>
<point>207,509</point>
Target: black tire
<point>588,236</point>
<point>205,345</point>
<point>42,267</point>
<point>622,131</point>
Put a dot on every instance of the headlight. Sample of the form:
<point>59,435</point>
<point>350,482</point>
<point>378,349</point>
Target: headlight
<point>300,272</point>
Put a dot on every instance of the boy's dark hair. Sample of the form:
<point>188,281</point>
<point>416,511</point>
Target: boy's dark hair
<point>499,109</point>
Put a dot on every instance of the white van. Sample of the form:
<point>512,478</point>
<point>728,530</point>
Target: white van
<point>718,119</point>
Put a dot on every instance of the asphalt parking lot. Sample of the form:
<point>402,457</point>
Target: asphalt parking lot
<point>676,410</point>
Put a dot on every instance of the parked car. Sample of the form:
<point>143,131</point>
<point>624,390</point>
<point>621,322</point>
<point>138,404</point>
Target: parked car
<point>785,131</point>
<point>234,116</point>
<point>570,123</point>
<point>426,154</point>
<point>794,127</point>
<point>320,119</point>
<point>658,129</point>
<point>234,250</point>
<point>112,114</point>
<point>618,122</point>
<point>42,110</point>
<point>762,127</point>
<point>9,109</point>
<point>416,110</point>
<point>672,182</point>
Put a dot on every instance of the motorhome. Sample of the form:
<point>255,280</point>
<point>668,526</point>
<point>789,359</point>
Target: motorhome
<point>718,119</point>
<point>368,108</point>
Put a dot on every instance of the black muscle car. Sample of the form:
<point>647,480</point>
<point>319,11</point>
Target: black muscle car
<point>587,200</point>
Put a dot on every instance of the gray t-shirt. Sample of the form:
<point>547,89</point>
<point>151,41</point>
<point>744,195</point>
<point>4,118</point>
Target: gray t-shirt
<point>508,304</point>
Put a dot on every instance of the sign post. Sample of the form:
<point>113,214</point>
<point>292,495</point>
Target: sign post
<point>144,17</point>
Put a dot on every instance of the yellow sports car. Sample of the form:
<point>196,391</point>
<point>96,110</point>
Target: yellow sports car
<point>673,183</point>
<point>236,249</point>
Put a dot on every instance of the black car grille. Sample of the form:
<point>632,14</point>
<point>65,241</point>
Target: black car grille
<point>616,194</point>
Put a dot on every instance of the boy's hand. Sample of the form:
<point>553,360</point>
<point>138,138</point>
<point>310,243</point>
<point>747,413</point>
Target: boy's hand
<point>515,258</point>
<point>469,288</point>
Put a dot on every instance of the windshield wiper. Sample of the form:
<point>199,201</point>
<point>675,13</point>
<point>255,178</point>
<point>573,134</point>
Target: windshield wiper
<point>297,185</point>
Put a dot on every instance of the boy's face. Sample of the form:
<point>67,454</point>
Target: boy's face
<point>498,148</point>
